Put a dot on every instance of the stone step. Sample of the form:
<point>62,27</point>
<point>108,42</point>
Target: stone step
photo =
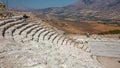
<point>37,35</point>
<point>20,29</point>
<point>16,28</point>
<point>26,31</point>
<point>33,31</point>
<point>9,26</point>
<point>60,41</point>
<point>56,40</point>
<point>36,31</point>
<point>27,27</point>
<point>7,22</point>
<point>4,22</point>
<point>40,34</point>
<point>48,35</point>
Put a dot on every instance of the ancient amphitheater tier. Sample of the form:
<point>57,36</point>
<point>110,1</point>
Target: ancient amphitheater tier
<point>27,44</point>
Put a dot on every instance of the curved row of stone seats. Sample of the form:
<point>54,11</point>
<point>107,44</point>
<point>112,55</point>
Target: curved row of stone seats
<point>22,35</point>
<point>52,37</point>
<point>7,30</point>
<point>43,34</point>
<point>8,21</point>
<point>20,30</point>
<point>26,31</point>
<point>60,40</point>
<point>37,34</point>
<point>40,34</point>
<point>12,29</point>
<point>2,23</point>
<point>32,29</point>
<point>46,37</point>
<point>23,24</point>
<point>8,26</point>
<point>31,32</point>
<point>18,27</point>
<point>57,39</point>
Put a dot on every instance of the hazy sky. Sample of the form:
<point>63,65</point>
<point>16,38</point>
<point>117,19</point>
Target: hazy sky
<point>39,3</point>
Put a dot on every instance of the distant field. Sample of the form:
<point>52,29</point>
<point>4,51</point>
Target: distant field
<point>92,27</point>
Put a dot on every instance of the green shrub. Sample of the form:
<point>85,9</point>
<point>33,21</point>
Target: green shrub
<point>111,32</point>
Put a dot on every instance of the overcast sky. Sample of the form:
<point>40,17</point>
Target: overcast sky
<point>38,3</point>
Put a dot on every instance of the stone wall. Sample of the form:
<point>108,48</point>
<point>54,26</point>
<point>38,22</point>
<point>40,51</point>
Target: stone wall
<point>4,13</point>
<point>2,7</point>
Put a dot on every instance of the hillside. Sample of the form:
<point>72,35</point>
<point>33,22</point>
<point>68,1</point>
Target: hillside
<point>105,9</point>
<point>84,10</point>
<point>82,15</point>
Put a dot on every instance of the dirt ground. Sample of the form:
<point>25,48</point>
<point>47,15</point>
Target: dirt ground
<point>110,62</point>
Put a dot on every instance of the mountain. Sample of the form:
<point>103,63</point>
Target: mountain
<point>95,4</point>
<point>83,10</point>
<point>22,9</point>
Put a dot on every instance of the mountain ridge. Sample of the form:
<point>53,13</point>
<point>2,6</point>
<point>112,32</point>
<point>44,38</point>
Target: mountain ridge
<point>84,9</point>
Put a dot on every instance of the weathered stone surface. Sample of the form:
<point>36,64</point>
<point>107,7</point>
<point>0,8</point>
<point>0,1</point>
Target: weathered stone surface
<point>37,55</point>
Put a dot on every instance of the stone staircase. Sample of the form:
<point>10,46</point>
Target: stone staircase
<point>20,28</point>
